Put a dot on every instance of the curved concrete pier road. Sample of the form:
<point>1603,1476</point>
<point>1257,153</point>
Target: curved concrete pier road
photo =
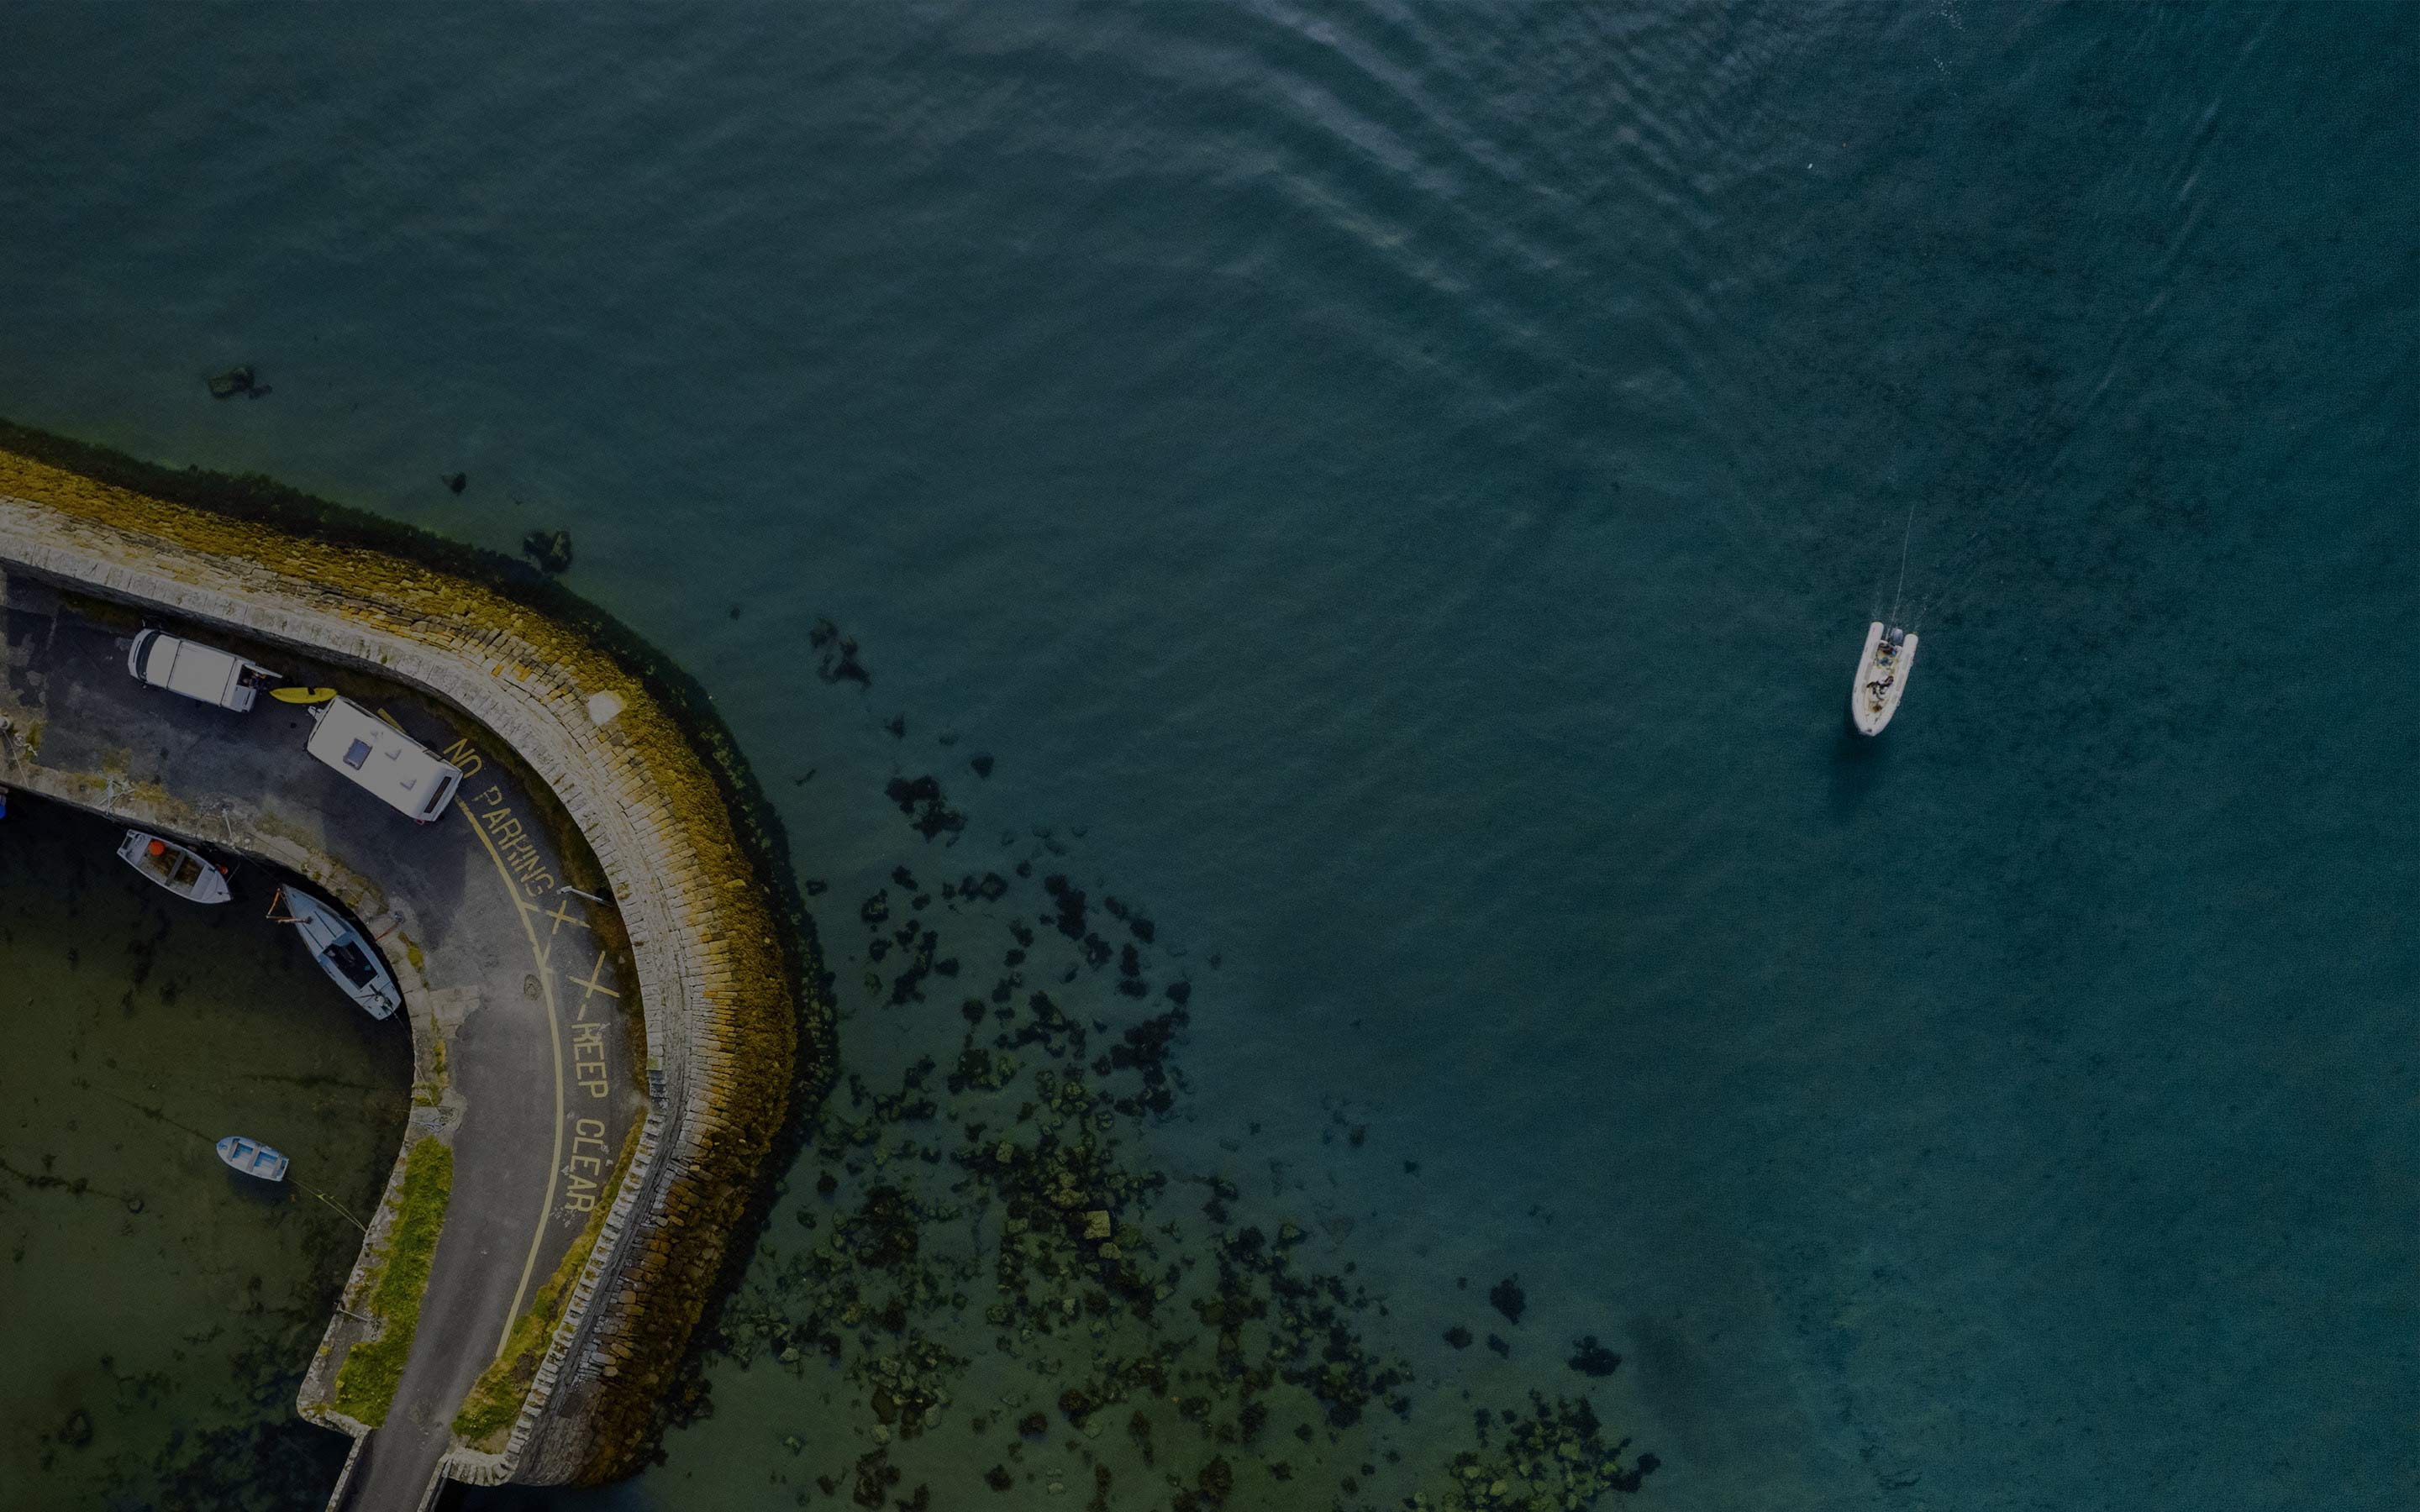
<point>516,992</point>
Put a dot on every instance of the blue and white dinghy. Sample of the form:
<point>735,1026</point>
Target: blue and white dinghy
<point>252,1158</point>
<point>341,951</point>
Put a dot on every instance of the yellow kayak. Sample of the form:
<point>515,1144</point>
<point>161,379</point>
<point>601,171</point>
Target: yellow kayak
<point>301,695</point>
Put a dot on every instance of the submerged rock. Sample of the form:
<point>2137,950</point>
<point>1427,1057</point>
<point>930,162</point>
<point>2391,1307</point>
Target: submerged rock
<point>236,381</point>
<point>549,550</point>
<point>839,663</point>
<point>1000,1179</point>
<point>922,801</point>
<point>1217,1481</point>
<point>1589,1358</point>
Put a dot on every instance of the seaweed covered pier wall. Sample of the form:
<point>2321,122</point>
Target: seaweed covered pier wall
<point>728,975</point>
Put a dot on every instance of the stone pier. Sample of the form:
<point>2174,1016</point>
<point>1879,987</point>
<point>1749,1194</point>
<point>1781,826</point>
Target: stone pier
<point>719,964</point>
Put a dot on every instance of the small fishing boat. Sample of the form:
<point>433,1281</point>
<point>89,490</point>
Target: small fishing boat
<point>174,867</point>
<point>1882,677</point>
<point>252,1158</point>
<point>341,951</point>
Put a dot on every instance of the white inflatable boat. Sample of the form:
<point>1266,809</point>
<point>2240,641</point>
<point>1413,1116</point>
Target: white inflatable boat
<point>1882,677</point>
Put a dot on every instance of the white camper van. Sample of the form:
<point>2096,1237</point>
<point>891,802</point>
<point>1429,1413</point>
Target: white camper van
<point>158,659</point>
<point>377,755</point>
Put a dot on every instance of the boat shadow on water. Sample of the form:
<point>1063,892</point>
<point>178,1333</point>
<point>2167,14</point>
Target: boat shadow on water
<point>252,1191</point>
<point>1858,763</point>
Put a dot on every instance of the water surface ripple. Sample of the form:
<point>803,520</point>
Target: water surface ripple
<point>1406,483</point>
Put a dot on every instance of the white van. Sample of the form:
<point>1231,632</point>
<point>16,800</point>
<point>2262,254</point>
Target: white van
<point>158,659</point>
<point>374,753</point>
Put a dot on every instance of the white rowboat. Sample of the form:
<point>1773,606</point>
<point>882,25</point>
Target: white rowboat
<point>175,868</point>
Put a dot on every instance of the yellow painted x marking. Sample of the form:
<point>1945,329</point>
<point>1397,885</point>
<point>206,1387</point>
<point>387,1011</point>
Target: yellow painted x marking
<point>590,986</point>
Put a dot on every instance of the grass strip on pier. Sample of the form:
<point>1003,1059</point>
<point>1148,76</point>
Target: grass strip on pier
<point>496,1398</point>
<point>373,1368</point>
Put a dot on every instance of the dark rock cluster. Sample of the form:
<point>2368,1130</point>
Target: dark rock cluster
<point>549,550</point>
<point>237,380</point>
<point>920,798</point>
<point>989,1253</point>
<point>1551,1454</point>
<point>836,656</point>
<point>1589,1358</point>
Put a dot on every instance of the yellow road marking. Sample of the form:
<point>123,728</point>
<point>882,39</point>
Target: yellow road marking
<point>555,1042</point>
<point>591,985</point>
<point>561,916</point>
<point>544,950</point>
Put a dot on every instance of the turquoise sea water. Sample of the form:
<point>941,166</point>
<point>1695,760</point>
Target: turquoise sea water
<point>1397,491</point>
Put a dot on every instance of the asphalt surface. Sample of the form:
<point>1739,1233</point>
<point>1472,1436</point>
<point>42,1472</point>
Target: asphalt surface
<point>542,1088</point>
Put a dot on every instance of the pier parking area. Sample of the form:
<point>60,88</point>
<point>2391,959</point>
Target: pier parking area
<point>529,1057</point>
